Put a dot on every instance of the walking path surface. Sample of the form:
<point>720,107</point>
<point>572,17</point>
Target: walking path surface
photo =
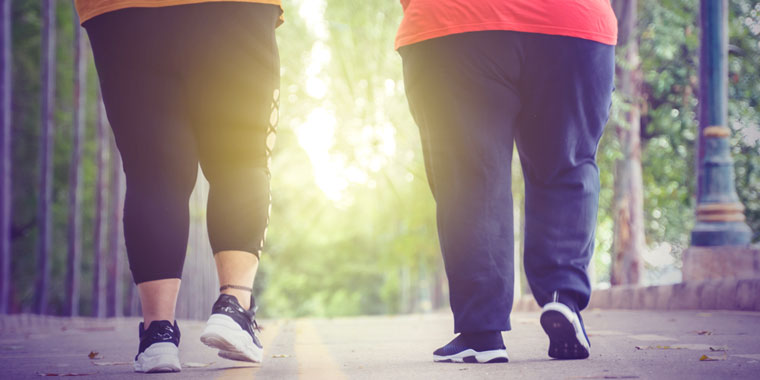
<point>624,345</point>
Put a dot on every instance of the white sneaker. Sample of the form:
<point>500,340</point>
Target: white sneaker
<point>230,329</point>
<point>485,347</point>
<point>158,350</point>
<point>567,336</point>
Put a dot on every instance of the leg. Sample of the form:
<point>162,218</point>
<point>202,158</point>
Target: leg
<point>238,84</point>
<point>567,94</point>
<point>142,92</point>
<point>234,90</point>
<point>157,149</point>
<point>461,93</point>
<point>158,299</point>
<point>237,267</point>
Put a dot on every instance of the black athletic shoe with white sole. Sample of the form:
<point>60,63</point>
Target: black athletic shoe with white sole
<point>158,350</point>
<point>230,329</point>
<point>482,347</point>
<point>567,335</point>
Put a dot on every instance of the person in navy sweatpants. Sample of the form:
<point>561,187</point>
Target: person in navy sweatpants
<point>473,95</point>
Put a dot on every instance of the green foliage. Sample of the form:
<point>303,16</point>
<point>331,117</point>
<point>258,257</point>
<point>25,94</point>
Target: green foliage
<point>26,126</point>
<point>348,255</point>
<point>669,54</point>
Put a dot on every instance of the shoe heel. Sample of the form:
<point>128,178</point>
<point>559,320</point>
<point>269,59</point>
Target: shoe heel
<point>225,335</point>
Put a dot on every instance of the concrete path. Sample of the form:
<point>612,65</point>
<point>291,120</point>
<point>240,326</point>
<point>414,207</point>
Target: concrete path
<point>625,345</point>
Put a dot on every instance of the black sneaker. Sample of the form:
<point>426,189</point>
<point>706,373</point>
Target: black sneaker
<point>159,350</point>
<point>483,347</point>
<point>567,335</point>
<point>230,329</point>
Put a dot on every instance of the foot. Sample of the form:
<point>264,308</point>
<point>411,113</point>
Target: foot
<point>230,329</point>
<point>158,348</point>
<point>481,347</point>
<point>567,335</point>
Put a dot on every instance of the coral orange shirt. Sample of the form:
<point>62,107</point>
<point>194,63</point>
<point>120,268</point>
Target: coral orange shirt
<point>88,9</point>
<point>588,19</point>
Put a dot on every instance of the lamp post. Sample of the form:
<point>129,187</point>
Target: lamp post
<point>720,217</point>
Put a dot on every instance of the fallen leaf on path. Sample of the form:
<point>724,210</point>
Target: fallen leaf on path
<point>718,348</point>
<point>704,332</point>
<point>704,314</point>
<point>94,355</point>
<point>63,374</point>
<point>607,377</point>
<point>705,358</point>
<point>196,365</point>
<point>110,363</point>
<point>280,356</point>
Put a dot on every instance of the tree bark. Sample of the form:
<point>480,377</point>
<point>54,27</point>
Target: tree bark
<point>628,201</point>
<point>99,271</point>
<point>114,292</point>
<point>5,155</point>
<point>44,214</point>
<point>75,175</point>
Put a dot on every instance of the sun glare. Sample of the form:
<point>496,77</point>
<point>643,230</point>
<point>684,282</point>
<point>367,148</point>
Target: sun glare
<point>373,145</point>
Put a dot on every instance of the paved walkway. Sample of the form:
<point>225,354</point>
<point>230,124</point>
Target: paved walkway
<point>625,345</point>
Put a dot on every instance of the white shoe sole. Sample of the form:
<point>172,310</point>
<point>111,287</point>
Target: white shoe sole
<point>159,357</point>
<point>566,337</point>
<point>472,356</point>
<point>233,343</point>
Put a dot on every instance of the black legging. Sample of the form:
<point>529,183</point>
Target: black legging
<point>182,85</point>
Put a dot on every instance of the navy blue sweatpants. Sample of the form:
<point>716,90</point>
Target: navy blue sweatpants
<point>473,95</point>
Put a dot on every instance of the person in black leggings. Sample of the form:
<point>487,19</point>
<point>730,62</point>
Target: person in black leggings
<point>182,86</point>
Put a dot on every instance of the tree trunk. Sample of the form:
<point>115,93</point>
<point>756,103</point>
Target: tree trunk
<point>628,201</point>
<point>5,155</point>
<point>114,221</point>
<point>98,266</point>
<point>44,214</point>
<point>75,177</point>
